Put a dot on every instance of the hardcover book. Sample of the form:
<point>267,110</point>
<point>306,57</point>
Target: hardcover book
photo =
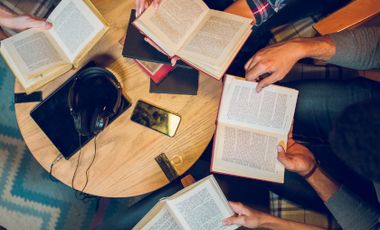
<point>250,125</point>
<point>37,57</point>
<point>206,39</point>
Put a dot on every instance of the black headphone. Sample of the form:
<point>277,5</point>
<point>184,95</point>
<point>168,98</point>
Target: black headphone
<point>94,97</point>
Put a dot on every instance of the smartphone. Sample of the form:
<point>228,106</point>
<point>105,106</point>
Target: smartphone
<point>155,118</point>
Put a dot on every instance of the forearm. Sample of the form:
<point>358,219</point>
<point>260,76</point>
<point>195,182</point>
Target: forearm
<point>275,223</point>
<point>322,184</point>
<point>5,15</point>
<point>321,48</point>
<point>240,7</point>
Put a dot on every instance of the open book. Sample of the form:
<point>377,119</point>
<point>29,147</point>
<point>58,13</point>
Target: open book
<point>250,125</point>
<point>39,56</point>
<point>202,205</point>
<point>206,39</point>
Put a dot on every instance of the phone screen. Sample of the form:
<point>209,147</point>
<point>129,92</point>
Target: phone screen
<point>155,118</point>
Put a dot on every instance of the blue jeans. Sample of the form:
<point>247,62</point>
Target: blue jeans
<point>319,103</point>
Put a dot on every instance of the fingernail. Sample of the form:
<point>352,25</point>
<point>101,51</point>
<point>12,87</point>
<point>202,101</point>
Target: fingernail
<point>225,222</point>
<point>279,148</point>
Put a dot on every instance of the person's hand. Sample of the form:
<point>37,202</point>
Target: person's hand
<point>23,22</point>
<point>245,216</point>
<point>274,61</point>
<point>297,158</point>
<point>141,5</point>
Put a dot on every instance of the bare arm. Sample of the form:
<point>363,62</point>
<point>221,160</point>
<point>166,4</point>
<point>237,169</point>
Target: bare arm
<point>20,22</point>
<point>251,218</point>
<point>240,7</point>
<point>323,185</point>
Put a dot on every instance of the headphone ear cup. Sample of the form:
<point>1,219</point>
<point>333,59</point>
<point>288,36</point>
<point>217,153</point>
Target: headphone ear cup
<point>98,121</point>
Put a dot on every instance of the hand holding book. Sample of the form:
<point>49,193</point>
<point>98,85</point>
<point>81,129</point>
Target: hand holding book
<point>17,22</point>
<point>37,56</point>
<point>246,216</point>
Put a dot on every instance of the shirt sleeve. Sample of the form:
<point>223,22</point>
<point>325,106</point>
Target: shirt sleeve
<point>351,212</point>
<point>357,48</point>
<point>264,9</point>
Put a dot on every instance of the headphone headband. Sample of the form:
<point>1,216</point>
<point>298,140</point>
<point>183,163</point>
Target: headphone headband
<point>94,97</point>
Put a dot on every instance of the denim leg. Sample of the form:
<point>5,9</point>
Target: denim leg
<point>321,101</point>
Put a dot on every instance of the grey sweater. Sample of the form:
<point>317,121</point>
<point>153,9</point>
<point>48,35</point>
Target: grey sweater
<point>357,49</point>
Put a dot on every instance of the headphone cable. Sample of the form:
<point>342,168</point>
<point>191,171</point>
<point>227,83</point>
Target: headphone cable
<point>78,161</point>
<point>58,158</point>
<point>88,168</point>
<point>82,195</point>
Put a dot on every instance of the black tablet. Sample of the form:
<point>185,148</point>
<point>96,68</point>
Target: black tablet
<point>53,116</point>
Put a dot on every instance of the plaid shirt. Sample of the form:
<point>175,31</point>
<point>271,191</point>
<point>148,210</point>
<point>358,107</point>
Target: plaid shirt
<point>264,9</point>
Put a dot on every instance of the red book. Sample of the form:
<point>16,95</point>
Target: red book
<point>250,126</point>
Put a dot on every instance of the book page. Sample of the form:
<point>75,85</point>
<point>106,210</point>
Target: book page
<point>74,26</point>
<point>202,207</point>
<point>151,67</point>
<point>248,153</point>
<point>172,23</point>
<point>271,110</point>
<point>164,220</point>
<point>32,52</point>
<point>213,41</point>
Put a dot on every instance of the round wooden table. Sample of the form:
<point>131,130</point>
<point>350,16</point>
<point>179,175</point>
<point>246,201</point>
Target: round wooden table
<point>124,165</point>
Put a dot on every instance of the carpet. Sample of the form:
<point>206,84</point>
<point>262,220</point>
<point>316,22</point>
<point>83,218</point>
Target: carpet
<point>28,198</point>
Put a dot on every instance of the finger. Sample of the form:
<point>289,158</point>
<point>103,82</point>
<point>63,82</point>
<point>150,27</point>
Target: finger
<point>174,60</point>
<point>156,4</point>
<point>255,71</point>
<point>266,81</point>
<point>282,157</point>
<point>38,23</point>
<point>248,64</point>
<point>240,220</point>
<point>290,136</point>
<point>239,208</point>
<point>252,62</point>
<point>137,7</point>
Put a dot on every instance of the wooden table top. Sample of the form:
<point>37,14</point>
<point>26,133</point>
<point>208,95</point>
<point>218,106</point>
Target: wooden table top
<point>124,165</point>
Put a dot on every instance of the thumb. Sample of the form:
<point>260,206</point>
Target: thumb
<point>282,156</point>
<point>240,220</point>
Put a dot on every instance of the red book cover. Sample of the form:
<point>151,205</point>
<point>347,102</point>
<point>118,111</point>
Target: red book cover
<point>156,71</point>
